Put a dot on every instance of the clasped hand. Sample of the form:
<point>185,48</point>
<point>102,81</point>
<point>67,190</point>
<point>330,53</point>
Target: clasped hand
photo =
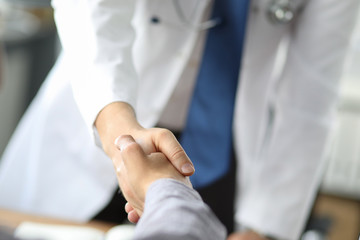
<point>136,170</point>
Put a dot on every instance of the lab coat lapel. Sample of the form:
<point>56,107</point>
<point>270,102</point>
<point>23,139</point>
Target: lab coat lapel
<point>162,50</point>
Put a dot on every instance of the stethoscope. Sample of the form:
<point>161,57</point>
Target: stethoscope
<point>279,12</point>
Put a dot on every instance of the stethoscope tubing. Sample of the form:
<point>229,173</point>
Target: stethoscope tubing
<point>279,12</point>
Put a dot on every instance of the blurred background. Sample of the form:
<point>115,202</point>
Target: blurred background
<point>29,47</point>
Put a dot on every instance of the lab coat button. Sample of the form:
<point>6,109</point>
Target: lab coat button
<point>155,20</point>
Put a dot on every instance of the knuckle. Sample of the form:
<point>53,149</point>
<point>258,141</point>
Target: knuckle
<point>164,133</point>
<point>178,154</point>
<point>131,148</point>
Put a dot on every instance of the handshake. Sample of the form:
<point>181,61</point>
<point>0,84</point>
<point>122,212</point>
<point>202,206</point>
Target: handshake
<point>136,171</point>
<point>160,198</point>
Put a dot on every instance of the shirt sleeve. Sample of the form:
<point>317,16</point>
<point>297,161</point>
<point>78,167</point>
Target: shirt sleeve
<point>97,39</point>
<point>175,211</point>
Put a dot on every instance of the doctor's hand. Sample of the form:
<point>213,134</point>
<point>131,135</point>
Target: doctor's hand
<point>119,118</point>
<point>136,171</point>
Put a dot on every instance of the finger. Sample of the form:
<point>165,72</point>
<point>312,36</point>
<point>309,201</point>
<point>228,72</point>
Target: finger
<point>234,237</point>
<point>133,216</point>
<point>168,144</point>
<point>123,141</point>
<point>148,148</point>
<point>131,152</point>
<point>128,207</point>
<point>249,235</point>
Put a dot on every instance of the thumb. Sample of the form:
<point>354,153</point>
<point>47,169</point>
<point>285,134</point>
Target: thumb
<point>131,152</point>
<point>168,144</point>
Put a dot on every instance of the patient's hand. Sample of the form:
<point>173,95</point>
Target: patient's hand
<point>136,171</point>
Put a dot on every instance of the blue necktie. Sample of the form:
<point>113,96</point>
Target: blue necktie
<point>207,137</point>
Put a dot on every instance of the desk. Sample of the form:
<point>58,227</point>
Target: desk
<point>344,213</point>
<point>12,219</point>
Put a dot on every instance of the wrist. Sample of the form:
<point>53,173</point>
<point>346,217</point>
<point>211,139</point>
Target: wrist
<point>114,120</point>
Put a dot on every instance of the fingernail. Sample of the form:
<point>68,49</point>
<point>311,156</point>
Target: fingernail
<point>187,168</point>
<point>123,141</point>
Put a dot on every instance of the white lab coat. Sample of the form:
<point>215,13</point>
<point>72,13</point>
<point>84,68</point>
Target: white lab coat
<point>281,124</point>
